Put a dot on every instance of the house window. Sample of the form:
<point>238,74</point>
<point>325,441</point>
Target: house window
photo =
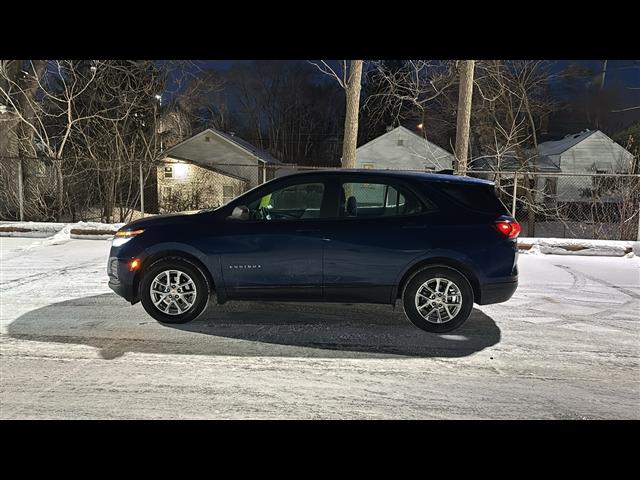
<point>168,172</point>
<point>551,186</point>
<point>227,194</point>
<point>400,142</point>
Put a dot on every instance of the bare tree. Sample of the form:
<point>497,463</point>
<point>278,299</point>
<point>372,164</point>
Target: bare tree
<point>82,116</point>
<point>512,105</point>
<point>406,90</point>
<point>350,79</point>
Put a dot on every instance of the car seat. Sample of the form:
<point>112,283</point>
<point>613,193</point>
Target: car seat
<point>352,207</point>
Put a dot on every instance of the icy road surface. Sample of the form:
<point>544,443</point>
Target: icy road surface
<point>566,346</point>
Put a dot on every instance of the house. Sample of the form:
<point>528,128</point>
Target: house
<point>402,149</point>
<point>209,169</point>
<point>590,152</point>
<point>582,155</point>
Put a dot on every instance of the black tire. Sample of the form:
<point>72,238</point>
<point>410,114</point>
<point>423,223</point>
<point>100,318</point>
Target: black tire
<point>422,276</point>
<point>182,265</point>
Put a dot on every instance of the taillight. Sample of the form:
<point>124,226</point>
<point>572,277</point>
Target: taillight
<point>509,228</point>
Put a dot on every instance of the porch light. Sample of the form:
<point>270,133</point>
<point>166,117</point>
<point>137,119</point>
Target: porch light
<point>180,170</point>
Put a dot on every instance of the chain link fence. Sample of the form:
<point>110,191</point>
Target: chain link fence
<point>581,205</point>
<point>571,205</point>
<point>73,189</point>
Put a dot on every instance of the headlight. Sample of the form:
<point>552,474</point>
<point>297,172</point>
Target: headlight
<point>123,236</point>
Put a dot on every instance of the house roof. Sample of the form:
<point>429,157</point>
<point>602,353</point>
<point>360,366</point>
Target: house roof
<point>509,162</point>
<point>400,128</point>
<point>200,150</point>
<point>560,146</point>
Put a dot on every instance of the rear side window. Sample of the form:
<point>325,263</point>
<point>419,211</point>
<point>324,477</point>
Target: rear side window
<point>480,198</point>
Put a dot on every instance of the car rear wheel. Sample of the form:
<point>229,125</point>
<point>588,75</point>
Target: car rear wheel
<point>437,299</point>
<point>174,290</point>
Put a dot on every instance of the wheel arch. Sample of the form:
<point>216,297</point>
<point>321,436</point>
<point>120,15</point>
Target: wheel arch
<point>167,254</point>
<point>446,262</point>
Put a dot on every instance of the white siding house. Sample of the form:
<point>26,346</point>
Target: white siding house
<point>401,149</point>
<point>211,168</point>
<point>225,153</point>
<point>589,152</point>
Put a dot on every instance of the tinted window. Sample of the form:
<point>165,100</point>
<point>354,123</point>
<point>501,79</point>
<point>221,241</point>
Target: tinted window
<point>294,202</point>
<point>481,198</point>
<point>359,199</point>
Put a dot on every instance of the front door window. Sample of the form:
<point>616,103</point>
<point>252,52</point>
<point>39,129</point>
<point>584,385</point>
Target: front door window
<point>295,202</point>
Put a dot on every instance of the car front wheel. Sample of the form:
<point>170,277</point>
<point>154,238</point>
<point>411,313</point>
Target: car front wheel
<point>437,299</point>
<point>174,290</point>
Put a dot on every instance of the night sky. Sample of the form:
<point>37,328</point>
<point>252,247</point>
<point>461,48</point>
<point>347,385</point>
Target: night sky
<point>624,73</point>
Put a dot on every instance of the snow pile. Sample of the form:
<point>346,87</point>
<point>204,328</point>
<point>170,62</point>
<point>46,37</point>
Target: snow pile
<point>30,229</point>
<point>572,246</point>
<point>94,230</point>
<point>57,233</point>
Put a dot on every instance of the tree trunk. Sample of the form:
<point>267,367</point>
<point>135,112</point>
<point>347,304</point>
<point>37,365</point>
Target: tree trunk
<point>352,91</point>
<point>465,95</point>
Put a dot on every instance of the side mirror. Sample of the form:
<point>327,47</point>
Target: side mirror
<point>240,213</point>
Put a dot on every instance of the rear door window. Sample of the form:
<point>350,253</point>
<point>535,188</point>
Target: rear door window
<point>368,200</point>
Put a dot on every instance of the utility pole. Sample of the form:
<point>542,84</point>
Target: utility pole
<point>20,190</point>
<point>141,191</point>
<point>604,73</point>
<point>465,94</point>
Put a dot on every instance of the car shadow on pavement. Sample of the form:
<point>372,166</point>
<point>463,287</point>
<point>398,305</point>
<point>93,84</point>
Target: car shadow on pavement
<point>322,330</point>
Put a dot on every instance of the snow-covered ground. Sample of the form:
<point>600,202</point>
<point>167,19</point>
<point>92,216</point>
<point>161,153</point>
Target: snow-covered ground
<point>567,345</point>
<point>571,246</point>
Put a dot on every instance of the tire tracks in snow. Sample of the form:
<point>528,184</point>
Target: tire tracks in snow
<point>580,281</point>
<point>10,284</point>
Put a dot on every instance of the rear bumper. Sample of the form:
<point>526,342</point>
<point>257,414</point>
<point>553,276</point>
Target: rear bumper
<point>497,292</point>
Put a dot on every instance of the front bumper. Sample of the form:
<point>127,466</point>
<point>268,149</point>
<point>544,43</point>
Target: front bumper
<point>121,280</point>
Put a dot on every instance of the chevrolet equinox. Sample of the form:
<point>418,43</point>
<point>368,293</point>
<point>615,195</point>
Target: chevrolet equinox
<point>438,243</point>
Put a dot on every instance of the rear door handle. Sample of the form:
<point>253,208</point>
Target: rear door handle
<point>414,227</point>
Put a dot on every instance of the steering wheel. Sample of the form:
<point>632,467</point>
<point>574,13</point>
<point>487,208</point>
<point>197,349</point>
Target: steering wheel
<point>263,213</point>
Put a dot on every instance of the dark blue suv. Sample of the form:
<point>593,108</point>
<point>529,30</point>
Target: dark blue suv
<point>438,243</point>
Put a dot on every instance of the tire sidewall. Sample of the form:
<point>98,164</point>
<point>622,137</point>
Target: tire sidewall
<point>414,283</point>
<point>202,287</point>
